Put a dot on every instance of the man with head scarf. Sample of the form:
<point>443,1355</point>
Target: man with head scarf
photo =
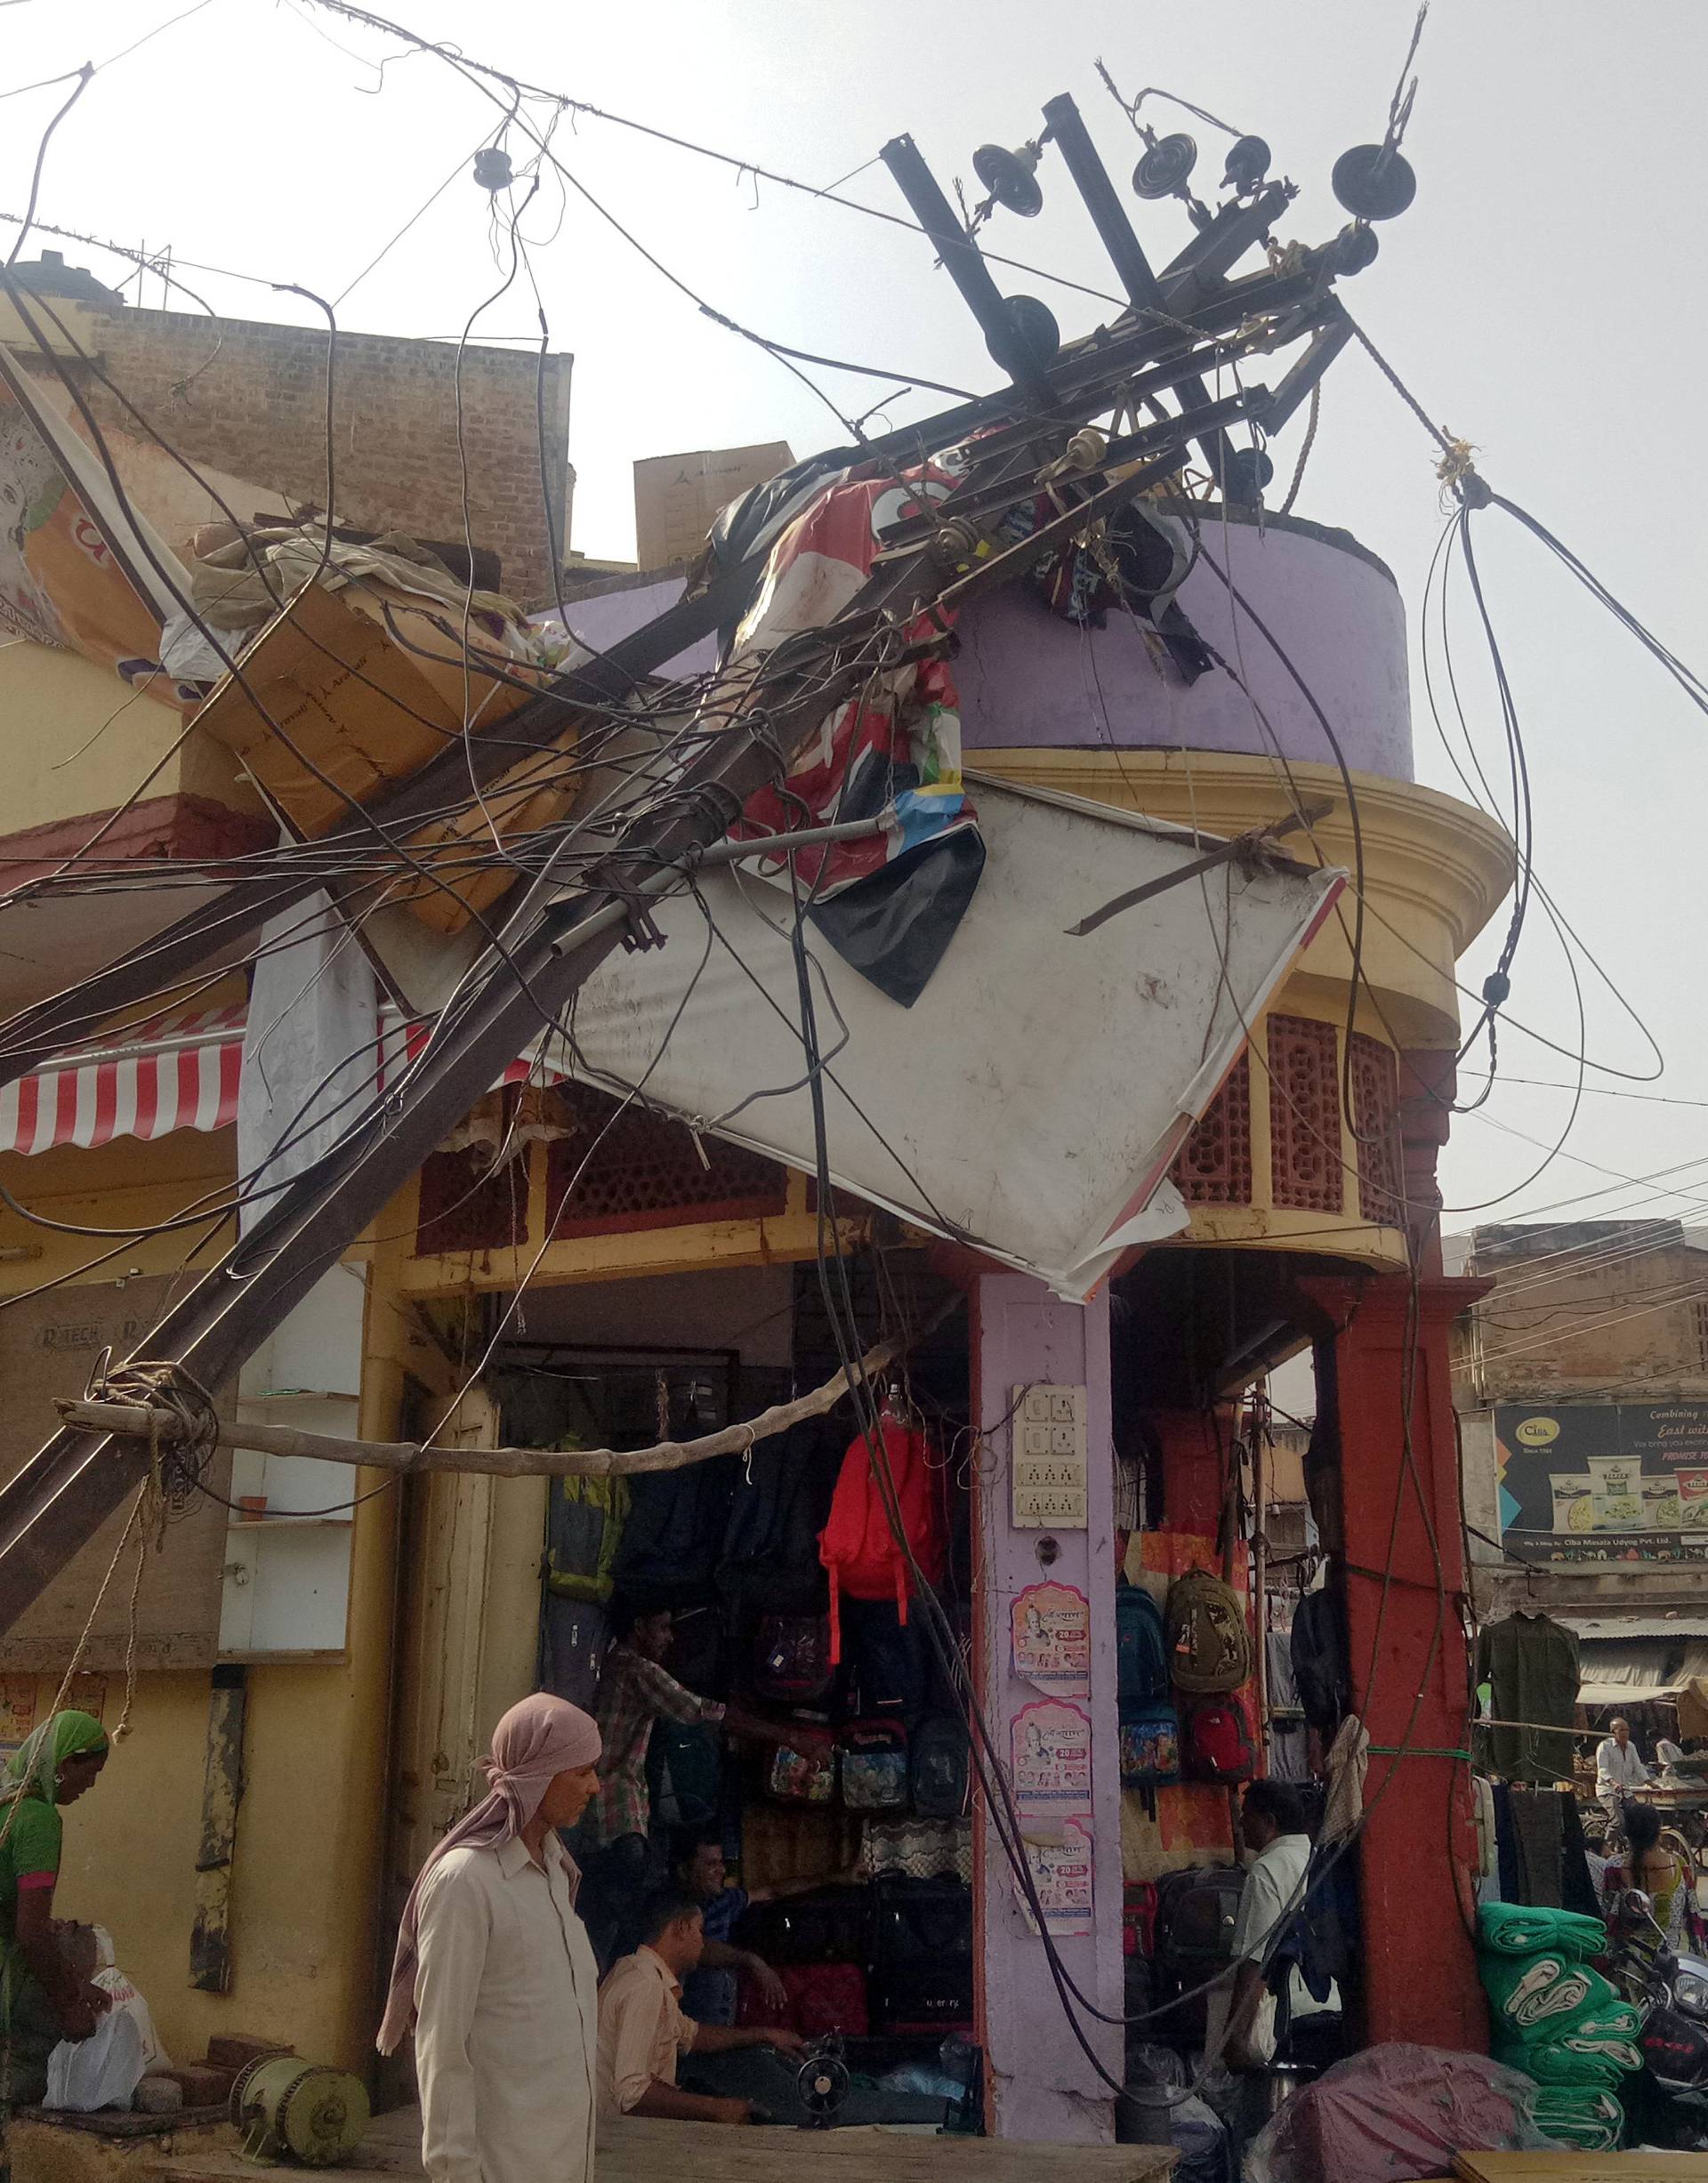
<point>496,1969</point>
<point>42,1998</point>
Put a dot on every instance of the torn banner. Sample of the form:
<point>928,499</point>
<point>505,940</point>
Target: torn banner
<point>1034,1105</point>
<point>78,569</point>
<point>889,904</point>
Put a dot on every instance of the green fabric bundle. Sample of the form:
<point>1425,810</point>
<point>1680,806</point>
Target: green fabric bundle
<point>1512,1929</point>
<point>1590,2122</point>
<point>1573,2062</point>
<point>1539,2000</point>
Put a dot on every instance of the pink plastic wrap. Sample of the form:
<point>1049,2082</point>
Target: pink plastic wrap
<point>1394,2113</point>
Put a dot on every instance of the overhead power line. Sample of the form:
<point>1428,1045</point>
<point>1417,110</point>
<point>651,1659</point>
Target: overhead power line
<point>826,194</point>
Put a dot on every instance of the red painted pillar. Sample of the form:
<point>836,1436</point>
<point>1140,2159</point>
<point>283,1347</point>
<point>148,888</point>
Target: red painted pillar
<point>1399,1496</point>
<point>1193,1445</point>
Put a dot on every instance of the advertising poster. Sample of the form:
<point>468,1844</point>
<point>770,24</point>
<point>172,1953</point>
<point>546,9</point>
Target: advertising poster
<point>1051,1639</point>
<point>1059,1857</point>
<point>1594,1482</point>
<point>1050,1747</point>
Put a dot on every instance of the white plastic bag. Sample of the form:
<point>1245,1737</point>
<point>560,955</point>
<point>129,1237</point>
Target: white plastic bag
<point>105,2069</point>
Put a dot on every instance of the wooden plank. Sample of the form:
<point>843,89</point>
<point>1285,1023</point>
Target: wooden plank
<point>1562,2167</point>
<point>210,1934</point>
<point>634,2151</point>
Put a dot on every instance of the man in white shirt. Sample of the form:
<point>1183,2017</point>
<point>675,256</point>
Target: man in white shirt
<point>1273,1823</point>
<point>1618,1769</point>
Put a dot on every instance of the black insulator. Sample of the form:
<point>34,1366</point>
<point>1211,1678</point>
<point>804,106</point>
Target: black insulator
<point>1167,167</point>
<point>1245,473</point>
<point>1009,179</point>
<point>1248,162</point>
<point>492,167</point>
<point>1031,341</point>
<point>1373,182</point>
<point>1353,248</point>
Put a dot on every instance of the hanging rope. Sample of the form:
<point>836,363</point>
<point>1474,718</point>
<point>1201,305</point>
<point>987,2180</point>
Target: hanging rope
<point>1304,452</point>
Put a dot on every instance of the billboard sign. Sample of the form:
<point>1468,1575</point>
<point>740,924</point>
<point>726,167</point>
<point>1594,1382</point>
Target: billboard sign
<point>1603,1482</point>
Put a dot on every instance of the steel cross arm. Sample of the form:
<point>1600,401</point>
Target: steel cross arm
<point>1090,178</point>
<point>1091,372</point>
<point>50,1508</point>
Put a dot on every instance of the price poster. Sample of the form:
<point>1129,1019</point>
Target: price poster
<point>1051,1639</point>
<point>1049,1748</point>
<point>1060,1858</point>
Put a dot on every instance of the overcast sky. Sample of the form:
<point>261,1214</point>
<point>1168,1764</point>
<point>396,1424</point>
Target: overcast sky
<point>1543,298</point>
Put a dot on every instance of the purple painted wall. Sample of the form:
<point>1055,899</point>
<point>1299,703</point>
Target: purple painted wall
<point>1041,2085</point>
<point>1027,679</point>
<point>621,605</point>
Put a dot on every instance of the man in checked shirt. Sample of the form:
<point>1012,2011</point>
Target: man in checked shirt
<point>635,1690</point>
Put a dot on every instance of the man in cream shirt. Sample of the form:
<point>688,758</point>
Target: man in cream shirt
<point>642,2032</point>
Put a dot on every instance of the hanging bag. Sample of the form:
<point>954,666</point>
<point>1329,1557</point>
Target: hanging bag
<point>583,1535</point>
<point>859,1546</point>
<point>1209,1639</point>
<point>1215,1744</point>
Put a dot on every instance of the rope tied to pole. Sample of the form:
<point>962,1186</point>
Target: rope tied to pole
<point>183,1430</point>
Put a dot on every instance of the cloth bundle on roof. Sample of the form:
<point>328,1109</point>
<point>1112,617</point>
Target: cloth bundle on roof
<point>1512,1929</point>
<point>889,903</point>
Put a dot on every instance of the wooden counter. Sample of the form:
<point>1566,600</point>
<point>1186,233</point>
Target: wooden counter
<point>634,2151</point>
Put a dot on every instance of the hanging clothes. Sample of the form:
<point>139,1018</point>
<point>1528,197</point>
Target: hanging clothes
<point>1289,1734</point>
<point>1530,1662</point>
<point>1536,1828</point>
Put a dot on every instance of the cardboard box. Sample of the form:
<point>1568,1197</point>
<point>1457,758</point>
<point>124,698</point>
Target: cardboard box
<point>676,496</point>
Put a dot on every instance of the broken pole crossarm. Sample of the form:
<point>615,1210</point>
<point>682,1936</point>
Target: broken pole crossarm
<point>1088,372</point>
<point>136,1421</point>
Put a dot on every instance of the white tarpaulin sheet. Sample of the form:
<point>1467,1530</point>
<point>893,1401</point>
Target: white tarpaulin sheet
<point>1032,1100</point>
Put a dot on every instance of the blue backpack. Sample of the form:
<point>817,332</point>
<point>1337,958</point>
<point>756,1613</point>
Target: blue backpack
<point>1150,1747</point>
<point>1149,1725</point>
<point>1141,1650</point>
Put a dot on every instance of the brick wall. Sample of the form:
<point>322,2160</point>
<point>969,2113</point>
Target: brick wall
<point>258,410</point>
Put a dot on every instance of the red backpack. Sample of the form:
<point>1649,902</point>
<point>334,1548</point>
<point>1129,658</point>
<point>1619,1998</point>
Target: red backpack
<point>858,1546</point>
<point>1215,1744</point>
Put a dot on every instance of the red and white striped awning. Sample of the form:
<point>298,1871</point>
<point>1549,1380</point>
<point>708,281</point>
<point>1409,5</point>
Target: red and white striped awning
<point>183,1074</point>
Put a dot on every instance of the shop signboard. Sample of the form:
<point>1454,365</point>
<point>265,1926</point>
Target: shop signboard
<point>1603,1482</point>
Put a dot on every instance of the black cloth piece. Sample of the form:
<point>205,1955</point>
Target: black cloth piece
<point>1536,1826</point>
<point>1506,1845</point>
<point>1531,1663</point>
<point>1576,1887</point>
<point>895,927</point>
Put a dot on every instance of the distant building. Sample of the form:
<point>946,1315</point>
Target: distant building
<point>1582,1383</point>
<point>248,400</point>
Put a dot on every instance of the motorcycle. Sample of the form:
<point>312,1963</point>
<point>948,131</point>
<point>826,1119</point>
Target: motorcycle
<point>1669,2101</point>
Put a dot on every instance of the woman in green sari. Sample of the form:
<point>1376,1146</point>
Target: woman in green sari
<point>42,1999</point>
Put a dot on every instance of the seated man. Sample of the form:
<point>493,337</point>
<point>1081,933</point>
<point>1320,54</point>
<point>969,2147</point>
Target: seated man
<point>642,2031</point>
<point>709,1993</point>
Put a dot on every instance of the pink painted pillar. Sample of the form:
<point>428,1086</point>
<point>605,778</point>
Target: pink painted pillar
<point>1040,2084</point>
